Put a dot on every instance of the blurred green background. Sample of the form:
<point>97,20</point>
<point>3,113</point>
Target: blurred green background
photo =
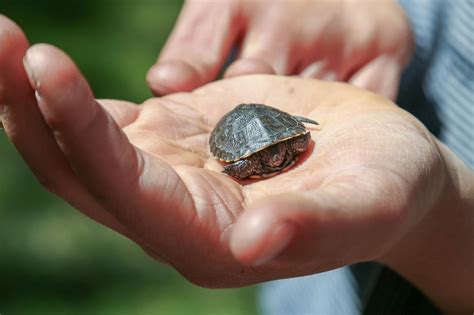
<point>54,260</point>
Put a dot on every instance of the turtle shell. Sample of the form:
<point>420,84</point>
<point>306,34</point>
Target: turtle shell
<point>249,128</point>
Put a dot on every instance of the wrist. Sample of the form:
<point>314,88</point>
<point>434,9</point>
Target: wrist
<point>437,256</point>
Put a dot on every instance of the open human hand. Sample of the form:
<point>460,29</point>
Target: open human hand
<point>365,43</point>
<point>371,180</point>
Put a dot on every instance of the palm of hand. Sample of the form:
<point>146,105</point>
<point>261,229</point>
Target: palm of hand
<point>364,147</point>
<point>147,172</point>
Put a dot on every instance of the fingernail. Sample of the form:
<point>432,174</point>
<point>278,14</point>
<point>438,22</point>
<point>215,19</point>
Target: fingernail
<point>30,72</point>
<point>389,85</point>
<point>277,242</point>
<point>314,70</point>
<point>37,96</point>
<point>329,76</point>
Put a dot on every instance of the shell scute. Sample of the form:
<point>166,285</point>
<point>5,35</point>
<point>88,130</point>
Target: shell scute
<point>249,128</point>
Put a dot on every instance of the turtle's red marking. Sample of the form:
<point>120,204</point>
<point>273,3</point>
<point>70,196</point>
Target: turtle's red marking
<point>295,163</point>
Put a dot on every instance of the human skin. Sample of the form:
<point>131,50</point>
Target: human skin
<point>366,43</point>
<point>376,187</point>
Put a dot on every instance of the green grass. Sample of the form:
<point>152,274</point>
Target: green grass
<point>54,260</point>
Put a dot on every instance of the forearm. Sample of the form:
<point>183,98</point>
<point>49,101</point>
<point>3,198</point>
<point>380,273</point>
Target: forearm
<point>438,255</point>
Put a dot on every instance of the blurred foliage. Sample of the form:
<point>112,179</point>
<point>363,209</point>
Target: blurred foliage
<point>53,260</point>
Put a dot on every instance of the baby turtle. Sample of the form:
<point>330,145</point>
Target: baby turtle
<point>258,140</point>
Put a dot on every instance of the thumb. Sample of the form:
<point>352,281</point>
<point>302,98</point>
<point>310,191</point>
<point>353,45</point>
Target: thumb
<point>274,225</point>
<point>344,222</point>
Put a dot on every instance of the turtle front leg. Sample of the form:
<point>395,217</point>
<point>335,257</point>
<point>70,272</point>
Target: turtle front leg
<point>299,144</point>
<point>244,168</point>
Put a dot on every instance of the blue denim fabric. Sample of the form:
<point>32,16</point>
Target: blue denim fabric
<point>340,291</point>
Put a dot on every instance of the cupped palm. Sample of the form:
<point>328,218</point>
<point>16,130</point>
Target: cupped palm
<point>360,178</point>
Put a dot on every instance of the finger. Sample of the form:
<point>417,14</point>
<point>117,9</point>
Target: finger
<point>13,45</point>
<point>268,42</point>
<point>28,132</point>
<point>143,192</point>
<point>197,47</point>
<point>122,112</point>
<point>332,226</point>
<point>381,75</point>
<point>78,122</point>
<point>248,66</point>
<point>319,70</point>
